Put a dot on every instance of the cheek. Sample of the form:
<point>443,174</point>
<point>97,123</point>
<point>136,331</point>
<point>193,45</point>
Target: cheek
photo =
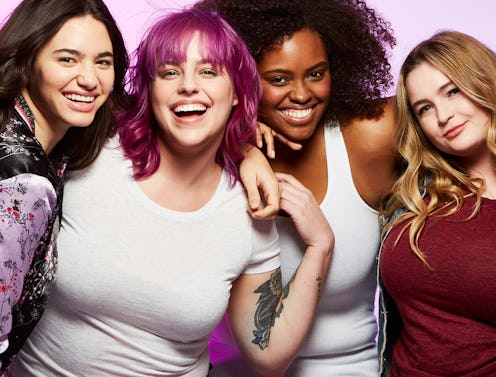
<point>158,94</point>
<point>42,89</point>
<point>271,99</point>
<point>431,132</point>
<point>40,84</point>
<point>322,90</point>
<point>272,96</point>
<point>52,76</point>
<point>107,81</point>
<point>158,114</point>
<point>485,120</point>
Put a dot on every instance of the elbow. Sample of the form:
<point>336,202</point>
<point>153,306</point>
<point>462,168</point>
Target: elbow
<point>270,371</point>
<point>270,366</point>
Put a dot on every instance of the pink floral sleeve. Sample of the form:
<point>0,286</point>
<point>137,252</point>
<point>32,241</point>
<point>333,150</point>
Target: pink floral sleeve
<point>26,205</point>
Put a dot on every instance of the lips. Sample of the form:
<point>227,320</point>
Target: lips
<point>453,131</point>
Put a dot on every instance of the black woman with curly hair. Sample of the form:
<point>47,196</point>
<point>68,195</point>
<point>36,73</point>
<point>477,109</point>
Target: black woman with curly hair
<point>324,69</point>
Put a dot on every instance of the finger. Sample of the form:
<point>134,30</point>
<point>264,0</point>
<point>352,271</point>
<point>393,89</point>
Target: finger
<point>271,191</point>
<point>271,207</point>
<point>291,144</point>
<point>294,200</point>
<point>288,178</point>
<point>252,192</point>
<point>259,137</point>
<point>268,212</point>
<point>268,139</point>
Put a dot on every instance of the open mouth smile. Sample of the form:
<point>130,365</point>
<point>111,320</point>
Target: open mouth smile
<point>189,109</point>
<point>79,98</point>
<point>297,114</point>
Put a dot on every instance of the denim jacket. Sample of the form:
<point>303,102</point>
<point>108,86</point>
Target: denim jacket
<point>390,322</point>
<point>389,319</point>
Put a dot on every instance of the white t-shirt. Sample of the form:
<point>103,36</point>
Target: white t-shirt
<point>341,341</point>
<point>139,287</point>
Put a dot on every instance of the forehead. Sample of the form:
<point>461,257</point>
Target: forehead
<point>82,33</point>
<point>183,46</point>
<point>424,81</point>
<point>304,47</point>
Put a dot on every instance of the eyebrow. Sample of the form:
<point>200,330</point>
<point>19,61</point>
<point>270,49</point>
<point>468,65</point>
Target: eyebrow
<point>78,53</point>
<point>440,89</point>
<point>173,62</point>
<point>318,65</point>
<point>288,72</point>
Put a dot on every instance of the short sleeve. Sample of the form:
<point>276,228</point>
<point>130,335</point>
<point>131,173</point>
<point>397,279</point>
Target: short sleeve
<point>265,248</point>
<point>27,202</point>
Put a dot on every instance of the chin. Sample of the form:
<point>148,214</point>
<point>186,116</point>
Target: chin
<point>301,135</point>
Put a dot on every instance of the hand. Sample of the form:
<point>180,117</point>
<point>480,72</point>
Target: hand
<point>300,204</point>
<point>257,177</point>
<point>267,134</point>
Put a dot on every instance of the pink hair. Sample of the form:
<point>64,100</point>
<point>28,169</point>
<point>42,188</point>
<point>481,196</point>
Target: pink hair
<point>168,40</point>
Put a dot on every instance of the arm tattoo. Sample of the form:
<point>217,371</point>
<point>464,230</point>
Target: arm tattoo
<point>319,285</point>
<point>268,309</point>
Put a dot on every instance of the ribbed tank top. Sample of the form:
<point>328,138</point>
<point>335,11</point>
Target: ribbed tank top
<point>344,328</point>
<point>342,339</point>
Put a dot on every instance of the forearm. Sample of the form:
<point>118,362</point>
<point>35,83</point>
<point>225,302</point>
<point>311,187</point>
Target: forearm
<point>283,317</point>
<point>294,315</point>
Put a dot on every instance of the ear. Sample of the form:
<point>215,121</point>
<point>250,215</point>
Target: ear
<point>235,101</point>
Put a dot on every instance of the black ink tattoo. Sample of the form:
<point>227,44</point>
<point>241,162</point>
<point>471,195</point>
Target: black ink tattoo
<point>268,309</point>
<point>319,284</point>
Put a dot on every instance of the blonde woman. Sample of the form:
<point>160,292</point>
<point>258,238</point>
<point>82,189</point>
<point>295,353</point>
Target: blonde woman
<point>438,254</point>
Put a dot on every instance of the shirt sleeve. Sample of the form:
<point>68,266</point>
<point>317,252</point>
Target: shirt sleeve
<point>265,248</point>
<point>27,202</point>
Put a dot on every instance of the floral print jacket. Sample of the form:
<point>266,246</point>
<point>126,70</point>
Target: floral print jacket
<point>31,185</point>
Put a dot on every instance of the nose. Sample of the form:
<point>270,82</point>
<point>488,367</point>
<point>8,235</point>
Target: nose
<point>87,77</point>
<point>299,92</point>
<point>188,84</point>
<point>445,112</point>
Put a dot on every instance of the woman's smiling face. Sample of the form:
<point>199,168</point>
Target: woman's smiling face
<point>296,85</point>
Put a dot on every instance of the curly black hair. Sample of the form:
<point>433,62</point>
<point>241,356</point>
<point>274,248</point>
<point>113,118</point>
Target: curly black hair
<point>357,39</point>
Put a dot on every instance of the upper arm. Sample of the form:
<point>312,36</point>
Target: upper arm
<point>253,307</point>
<point>26,205</point>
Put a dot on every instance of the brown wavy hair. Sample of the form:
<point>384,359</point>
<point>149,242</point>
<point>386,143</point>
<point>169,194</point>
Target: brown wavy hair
<point>472,67</point>
<point>30,26</point>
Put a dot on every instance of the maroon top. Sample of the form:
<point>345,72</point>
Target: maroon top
<point>449,312</point>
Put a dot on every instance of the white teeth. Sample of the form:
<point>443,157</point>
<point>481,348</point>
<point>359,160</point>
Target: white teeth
<point>297,114</point>
<point>190,107</point>
<point>76,97</point>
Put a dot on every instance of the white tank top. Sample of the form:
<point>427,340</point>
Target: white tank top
<point>342,339</point>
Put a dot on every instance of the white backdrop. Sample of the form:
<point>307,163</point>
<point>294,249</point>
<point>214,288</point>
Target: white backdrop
<point>412,20</point>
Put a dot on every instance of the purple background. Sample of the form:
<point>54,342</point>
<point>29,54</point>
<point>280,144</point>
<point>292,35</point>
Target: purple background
<point>412,21</point>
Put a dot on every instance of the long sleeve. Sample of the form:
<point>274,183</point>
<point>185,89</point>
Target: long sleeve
<point>27,202</point>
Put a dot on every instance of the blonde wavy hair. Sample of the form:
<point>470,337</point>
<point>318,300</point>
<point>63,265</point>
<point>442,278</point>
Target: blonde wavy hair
<point>471,66</point>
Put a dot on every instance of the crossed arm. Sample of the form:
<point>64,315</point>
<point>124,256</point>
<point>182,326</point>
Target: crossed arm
<point>270,322</point>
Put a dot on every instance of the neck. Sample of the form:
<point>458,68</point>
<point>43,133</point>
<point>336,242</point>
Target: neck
<point>288,160</point>
<point>45,133</point>
<point>183,182</point>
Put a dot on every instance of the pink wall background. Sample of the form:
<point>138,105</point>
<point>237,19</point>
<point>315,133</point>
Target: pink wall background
<point>412,21</point>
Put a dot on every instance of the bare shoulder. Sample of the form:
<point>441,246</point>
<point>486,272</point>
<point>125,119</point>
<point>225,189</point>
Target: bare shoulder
<point>371,153</point>
<point>373,135</point>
